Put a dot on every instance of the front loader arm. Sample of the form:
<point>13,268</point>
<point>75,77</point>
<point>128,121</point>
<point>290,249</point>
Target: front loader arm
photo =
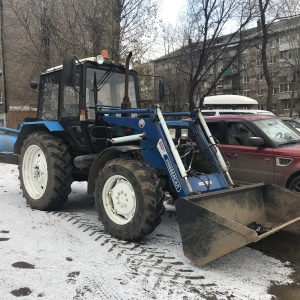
<point>157,147</point>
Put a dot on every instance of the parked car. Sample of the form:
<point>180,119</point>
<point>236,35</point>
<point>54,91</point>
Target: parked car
<point>259,148</point>
<point>295,122</point>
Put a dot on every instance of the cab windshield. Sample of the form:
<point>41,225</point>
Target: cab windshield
<point>110,87</point>
<point>278,131</point>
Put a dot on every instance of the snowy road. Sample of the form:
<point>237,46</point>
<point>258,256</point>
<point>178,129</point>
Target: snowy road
<point>67,255</point>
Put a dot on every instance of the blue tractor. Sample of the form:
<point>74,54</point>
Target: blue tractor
<point>91,126</point>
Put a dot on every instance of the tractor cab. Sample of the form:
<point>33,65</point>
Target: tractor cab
<point>78,88</point>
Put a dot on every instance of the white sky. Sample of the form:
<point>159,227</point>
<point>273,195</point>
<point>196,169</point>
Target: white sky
<point>170,10</point>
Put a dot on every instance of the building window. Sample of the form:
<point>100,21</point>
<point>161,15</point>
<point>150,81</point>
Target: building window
<point>1,96</point>
<point>272,59</point>
<point>286,54</point>
<point>283,39</point>
<point>272,44</point>
<point>246,79</point>
<point>260,92</point>
<point>220,69</point>
<point>287,105</point>
<point>260,106</point>
<point>284,87</point>
<point>246,93</point>
<point>274,107</point>
<point>232,53</point>
<point>260,77</point>
<point>259,62</point>
<point>246,64</point>
<point>274,91</point>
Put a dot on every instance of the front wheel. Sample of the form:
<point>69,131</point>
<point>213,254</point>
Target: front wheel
<point>295,184</point>
<point>45,171</point>
<point>129,198</point>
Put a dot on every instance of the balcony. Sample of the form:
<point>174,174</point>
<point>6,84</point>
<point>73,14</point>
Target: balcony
<point>230,72</point>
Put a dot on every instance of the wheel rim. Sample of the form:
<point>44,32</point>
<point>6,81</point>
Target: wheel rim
<point>296,186</point>
<point>119,199</point>
<point>35,172</point>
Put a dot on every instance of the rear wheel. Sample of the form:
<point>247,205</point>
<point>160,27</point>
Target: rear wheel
<point>45,171</point>
<point>129,198</point>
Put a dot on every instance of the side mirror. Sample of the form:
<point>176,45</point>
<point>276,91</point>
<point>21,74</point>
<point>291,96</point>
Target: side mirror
<point>68,73</point>
<point>34,85</point>
<point>161,87</point>
<point>256,141</point>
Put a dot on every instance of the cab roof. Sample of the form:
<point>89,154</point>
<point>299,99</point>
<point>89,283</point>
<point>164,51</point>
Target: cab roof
<point>87,59</point>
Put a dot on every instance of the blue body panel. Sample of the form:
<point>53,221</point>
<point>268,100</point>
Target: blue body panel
<point>50,125</point>
<point>8,137</point>
<point>7,142</point>
<point>157,153</point>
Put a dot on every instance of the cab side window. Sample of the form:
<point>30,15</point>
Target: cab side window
<point>49,98</point>
<point>237,134</point>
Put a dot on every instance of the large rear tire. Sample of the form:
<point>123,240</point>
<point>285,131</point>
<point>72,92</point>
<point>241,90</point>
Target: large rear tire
<point>45,171</point>
<point>129,198</point>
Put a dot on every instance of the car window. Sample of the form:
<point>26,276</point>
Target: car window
<point>294,124</point>
<point>278,131</point>
<point>238,134</point>
<point>208,113</point>
<point>216,131</point>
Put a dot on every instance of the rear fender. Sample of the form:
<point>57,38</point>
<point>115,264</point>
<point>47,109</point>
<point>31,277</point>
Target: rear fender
<point>105,156</point>
<point>28,128</point>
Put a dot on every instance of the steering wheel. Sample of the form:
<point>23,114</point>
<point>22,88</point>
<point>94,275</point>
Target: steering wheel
<point>279,134</point>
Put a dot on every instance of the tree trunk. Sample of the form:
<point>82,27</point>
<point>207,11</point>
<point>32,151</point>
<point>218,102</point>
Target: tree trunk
<point>294,86</point>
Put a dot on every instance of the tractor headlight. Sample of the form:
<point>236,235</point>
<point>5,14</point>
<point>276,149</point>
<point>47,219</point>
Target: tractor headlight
<point>100,59</point>
<point>172,133</point>
<point>184,132</point>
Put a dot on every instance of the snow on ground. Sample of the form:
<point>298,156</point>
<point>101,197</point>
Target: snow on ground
<point>67,255</point>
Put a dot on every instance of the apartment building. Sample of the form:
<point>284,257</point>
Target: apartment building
<point>245,75</point>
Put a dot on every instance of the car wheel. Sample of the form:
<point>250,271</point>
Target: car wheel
<point>295,184</point>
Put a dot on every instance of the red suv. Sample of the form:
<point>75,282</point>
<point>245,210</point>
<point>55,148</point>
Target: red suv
<point>259,148</point>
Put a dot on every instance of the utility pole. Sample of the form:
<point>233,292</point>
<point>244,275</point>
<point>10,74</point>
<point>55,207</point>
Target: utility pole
<point>2,66</point>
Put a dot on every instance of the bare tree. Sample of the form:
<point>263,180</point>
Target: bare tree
<point>205,43</point>
<point>137,21</point>
<point>268,13</point>
<point>40,33</point>
<point>175,82</point>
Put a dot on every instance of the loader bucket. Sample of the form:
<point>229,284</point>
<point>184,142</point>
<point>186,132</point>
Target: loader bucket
<point>214,224</point>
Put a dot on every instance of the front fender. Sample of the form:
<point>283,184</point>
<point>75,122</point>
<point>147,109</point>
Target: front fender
<point>30,127</point>
<point>105,156</point>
